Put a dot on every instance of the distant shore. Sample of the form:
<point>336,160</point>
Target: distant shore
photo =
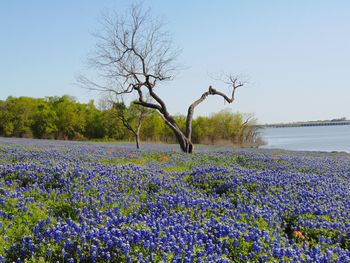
<point>147,146</point>
<point>308,123</point>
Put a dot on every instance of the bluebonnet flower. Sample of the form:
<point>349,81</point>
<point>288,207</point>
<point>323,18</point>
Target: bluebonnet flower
<point>209,212</point>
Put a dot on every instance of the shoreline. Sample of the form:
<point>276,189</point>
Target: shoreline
<point>148,146</point>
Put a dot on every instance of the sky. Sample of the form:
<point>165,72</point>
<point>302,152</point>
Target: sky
<point>294,55</point>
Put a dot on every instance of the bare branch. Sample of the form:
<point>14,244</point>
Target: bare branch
<point>91,85</point>
<point>232,81</point>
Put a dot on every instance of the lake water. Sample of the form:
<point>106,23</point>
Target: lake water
<point>315,138</point>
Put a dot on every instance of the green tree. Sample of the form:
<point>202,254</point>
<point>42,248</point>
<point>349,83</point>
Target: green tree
<point>44,121</point>
<point>112,126</point>
<point>201,129</point>
<point>21,117</point>
<point>6,124</point>
<point>153,128</point>
<point>94,127</point>
<point>70,117</point>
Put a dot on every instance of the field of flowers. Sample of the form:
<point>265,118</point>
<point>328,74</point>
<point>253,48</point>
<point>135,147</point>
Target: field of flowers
<point>89,202</point>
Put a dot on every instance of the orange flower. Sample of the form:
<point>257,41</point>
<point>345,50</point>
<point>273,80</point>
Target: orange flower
<point>298,235</point>
<point>164,158</point>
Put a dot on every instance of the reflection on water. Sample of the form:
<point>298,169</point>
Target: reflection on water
<point>316,138</point>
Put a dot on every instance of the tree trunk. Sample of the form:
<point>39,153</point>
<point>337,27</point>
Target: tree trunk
<point>137,140</point>
<point>184,139</point>
<point>184,142</point>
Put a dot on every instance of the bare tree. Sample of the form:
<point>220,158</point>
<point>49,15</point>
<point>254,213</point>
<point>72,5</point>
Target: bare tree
<point>134,55</point>
<point>131,118</point>
<point>250,132</point>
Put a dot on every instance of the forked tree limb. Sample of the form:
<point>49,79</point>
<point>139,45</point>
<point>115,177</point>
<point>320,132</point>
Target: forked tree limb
<point>211,91</point>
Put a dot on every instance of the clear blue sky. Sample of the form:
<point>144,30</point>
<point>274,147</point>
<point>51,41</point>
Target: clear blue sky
<point>295,54</point>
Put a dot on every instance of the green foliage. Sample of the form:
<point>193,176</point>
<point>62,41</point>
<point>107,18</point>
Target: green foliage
<point>152,188</point>
<point>44,121</point>
<point>208,184</point>
<point>238,249</point>
<point>63,209</point>
<point>12,231</point>
<point>289,223</point>
<point>65,118</point>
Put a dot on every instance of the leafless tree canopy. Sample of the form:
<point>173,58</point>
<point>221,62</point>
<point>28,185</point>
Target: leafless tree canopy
<point>133,55</point>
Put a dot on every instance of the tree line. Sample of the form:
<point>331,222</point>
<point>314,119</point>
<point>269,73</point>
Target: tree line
<point>66,119</point>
